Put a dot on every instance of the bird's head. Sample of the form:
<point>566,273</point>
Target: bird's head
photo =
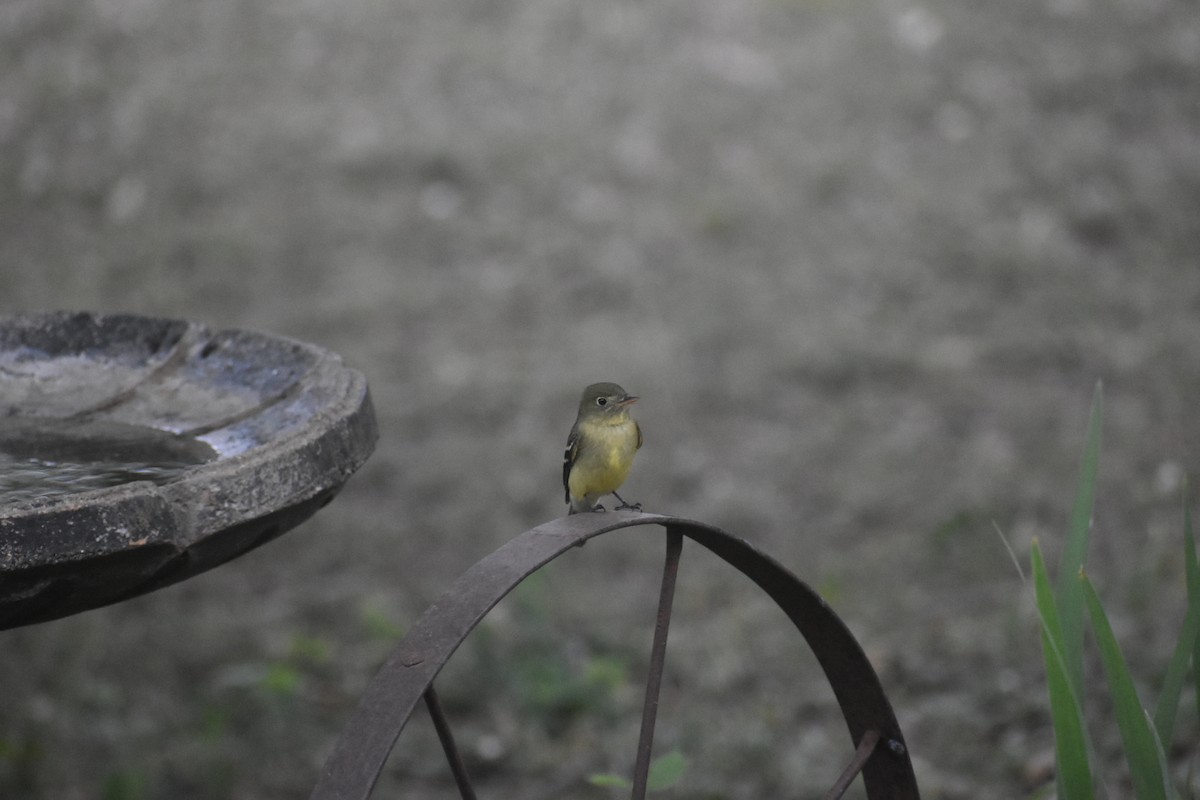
<point>605,400</point>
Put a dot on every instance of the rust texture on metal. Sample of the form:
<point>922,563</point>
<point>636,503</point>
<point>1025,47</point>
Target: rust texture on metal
<point>361,751</point>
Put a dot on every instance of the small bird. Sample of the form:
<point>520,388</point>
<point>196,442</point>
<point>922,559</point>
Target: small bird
<point>600,448</point>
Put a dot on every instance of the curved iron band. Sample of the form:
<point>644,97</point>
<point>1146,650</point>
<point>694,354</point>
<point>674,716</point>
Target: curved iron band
<point>362,749</point>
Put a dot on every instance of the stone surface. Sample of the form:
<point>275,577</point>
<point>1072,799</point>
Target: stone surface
<point>273,426</point>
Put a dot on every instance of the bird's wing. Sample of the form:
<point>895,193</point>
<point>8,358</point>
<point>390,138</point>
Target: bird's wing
<point>638,428</point>
<point>569,457</point>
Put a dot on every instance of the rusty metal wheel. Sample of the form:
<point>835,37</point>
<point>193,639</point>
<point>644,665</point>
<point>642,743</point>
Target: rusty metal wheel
<point>406,679</point>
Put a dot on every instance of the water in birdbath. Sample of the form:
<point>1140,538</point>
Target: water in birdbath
<point>46,457</point>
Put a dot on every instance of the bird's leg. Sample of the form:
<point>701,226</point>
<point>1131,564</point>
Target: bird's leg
<point>581,507</point>
<point>626,506</point>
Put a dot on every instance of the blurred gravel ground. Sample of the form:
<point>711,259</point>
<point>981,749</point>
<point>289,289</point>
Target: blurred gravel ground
<point>864,261</point>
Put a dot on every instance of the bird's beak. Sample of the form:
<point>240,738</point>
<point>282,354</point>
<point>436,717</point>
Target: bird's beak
<point>628,400</point>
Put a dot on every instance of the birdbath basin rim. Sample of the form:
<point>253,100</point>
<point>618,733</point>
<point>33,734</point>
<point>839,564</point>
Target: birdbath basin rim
<point>265,429</point>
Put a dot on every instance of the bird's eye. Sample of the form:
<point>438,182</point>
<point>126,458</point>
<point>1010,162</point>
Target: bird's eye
<point>601,401</point>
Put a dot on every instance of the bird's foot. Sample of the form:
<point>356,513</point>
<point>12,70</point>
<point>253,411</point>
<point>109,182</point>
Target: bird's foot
<point>626,506</point>
<point>597,507</point>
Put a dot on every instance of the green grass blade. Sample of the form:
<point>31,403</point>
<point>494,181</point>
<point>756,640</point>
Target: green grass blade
<point>1196,673</point>
<point>1193,598</point>
<point>1069,595</point>
<point>1071,747</point>
<point>1137,734</point>
<point>1164,768</point>
<point>1168,700</point>
<point>1011,553</point>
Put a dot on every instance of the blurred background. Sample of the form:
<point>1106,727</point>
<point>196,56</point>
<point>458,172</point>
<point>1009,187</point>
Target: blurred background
<point>863,261</point>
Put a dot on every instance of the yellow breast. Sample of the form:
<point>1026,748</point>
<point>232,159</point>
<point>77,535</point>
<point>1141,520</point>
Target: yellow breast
<point>605,458</point>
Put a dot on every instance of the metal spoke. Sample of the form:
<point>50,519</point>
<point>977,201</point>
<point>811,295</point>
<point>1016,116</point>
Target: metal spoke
<point>447,739</point>
<point>658,655</point>
<point>866,747</point>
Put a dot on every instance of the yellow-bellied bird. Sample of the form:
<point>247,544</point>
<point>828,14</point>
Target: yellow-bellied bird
<point>601,447</point>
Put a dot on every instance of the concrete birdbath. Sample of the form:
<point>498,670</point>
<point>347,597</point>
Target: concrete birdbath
<point>136,452</point>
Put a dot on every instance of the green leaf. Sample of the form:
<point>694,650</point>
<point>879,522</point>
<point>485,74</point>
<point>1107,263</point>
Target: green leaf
<point>1168,700</point>
<point>666,771</point>
<point>282,679</point>
<point>1137,734</point>
<point>378,625</point>
<point>609,781</point>
<point>1069,595</point>
<point>1071,747</point>
<point>310,649</point>
<point>125,784</point>
<point>606,673</point>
